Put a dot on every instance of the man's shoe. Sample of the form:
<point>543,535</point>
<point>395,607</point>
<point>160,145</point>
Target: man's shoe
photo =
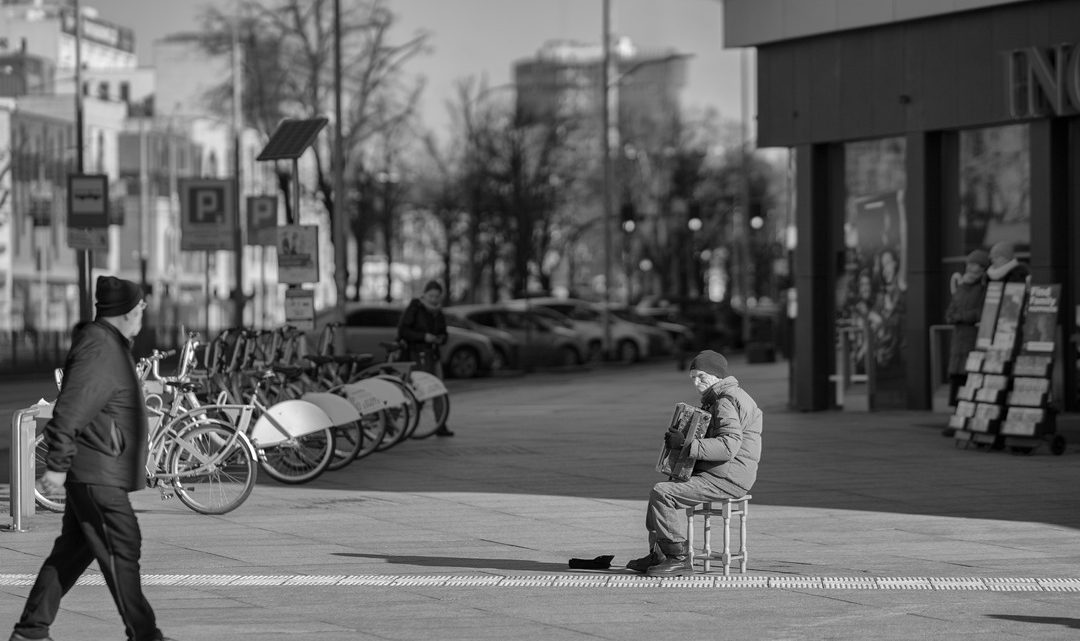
<point>443,431</point>
<point>656,557</point>
<point>15,636</point>
<point>678,560</point>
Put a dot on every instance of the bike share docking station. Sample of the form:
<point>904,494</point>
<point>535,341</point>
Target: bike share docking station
<point>23,434</point>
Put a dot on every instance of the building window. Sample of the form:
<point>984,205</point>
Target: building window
<point>125,92</point>
<point>995,187</point>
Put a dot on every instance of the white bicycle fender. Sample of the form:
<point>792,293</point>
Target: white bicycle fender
<point>294,416</point>
<point>385,391</point>
<point>363,399</point>
<point>340,411</point>
<point>426,385</point>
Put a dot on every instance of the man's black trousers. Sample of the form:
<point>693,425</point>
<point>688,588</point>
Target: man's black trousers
<point>98,524</point>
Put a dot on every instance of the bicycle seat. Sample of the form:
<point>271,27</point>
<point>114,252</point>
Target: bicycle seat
<point>322,360</point>
<point>359,360</point>
<point>289,371</point>
<point>185,386</point>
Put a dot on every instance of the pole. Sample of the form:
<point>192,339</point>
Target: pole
<point>83,257</point>
<point>744,198</point>
<point>144,198</point>
<point>338,221</point>
<point>206,294</point>
<point>605,136</point>
<point>238,230</point>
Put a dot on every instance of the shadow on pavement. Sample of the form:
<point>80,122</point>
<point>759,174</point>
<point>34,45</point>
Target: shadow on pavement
<point>1063,621</point>
<point>461,562</point>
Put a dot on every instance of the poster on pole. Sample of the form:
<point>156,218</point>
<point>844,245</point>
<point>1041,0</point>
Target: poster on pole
<point>262,216</point>
<point>300,308</point>
<point>298,254</point>
<point>207,214</point>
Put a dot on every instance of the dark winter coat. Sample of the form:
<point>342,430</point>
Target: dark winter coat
<point>963,312</point>
<point>731,448</point>
<point>98,430</point>
<point>418,320</point>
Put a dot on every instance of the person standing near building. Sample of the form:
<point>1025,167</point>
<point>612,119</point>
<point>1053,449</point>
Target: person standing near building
<point>1004,266</point>
<point>97,452</point>
<point>964,311</point>
<point>422,331</point>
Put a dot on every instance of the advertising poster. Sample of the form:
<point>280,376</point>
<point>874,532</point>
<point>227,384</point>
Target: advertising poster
<point>1040,320</point>
<point>298,254</point>
<point>872,291</point>
<point>988,321</point>
<point>300,309</point>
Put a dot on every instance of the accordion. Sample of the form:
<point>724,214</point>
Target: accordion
<point>692,422</point>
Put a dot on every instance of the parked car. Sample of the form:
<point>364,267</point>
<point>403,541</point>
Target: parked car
<point>466,353</point>
<point>506,346</point>
<point>629,342</point>
<point>663,336</point>
<point>541,341</point>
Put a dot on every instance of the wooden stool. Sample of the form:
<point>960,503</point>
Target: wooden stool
<point>726,508</point>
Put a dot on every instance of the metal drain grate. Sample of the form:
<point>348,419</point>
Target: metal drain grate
<point>738,582</point>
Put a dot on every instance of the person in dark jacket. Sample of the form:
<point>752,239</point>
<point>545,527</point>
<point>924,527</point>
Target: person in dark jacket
<point>97,449</point>
<point>422,331</point>
<point>964,312</point>
<point>1004,265</point>
<point>727,464</point>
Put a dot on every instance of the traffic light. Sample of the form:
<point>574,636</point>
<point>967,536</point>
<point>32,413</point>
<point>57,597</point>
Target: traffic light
<point>629,217</point>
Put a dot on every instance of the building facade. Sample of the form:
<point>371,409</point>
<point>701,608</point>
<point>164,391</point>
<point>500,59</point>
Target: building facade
<point>921,131</point>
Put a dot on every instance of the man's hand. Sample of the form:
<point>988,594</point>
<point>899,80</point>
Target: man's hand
<point>431,338</point>
<point>52,483</point>
<point>674,440</point>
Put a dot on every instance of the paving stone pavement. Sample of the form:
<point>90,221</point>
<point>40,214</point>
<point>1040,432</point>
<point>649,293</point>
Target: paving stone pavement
<point>863,525</point>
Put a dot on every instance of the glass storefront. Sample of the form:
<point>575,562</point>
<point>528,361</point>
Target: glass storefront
<point>995,188</point>
<point>872,287</point>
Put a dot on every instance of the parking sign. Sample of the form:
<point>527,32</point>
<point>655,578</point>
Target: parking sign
<point>207,214</point>
<point>262,219</point>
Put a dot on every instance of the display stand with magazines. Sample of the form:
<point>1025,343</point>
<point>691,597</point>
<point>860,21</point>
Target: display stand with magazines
<point>1006,399</point>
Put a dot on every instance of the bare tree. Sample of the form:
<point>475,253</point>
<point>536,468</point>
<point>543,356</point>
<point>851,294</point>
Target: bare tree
<point>288,72</point>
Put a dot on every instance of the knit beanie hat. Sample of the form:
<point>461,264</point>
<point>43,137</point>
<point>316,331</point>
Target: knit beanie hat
<point>116,296</point>
<point>433,284</point>
<point>710,362</point>
<point>979,257</point>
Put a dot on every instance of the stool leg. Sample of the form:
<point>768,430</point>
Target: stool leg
<point>690,534</point>
<point>707,527</point>
<point>726,555</point>
<point>745,552</point>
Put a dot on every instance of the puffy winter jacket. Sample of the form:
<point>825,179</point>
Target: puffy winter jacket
<point>98,430</point>
<point>731,448</point>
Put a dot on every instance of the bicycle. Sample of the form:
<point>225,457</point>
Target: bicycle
<point>205,462</point>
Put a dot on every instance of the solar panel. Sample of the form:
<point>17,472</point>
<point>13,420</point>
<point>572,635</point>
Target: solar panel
<point>292,138</point>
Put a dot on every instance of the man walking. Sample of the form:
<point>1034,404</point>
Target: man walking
<point>97,453</point>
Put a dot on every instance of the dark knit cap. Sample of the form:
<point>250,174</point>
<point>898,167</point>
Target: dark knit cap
<point>710,362</point>
<point>116,296</point>
<point>433,284</point>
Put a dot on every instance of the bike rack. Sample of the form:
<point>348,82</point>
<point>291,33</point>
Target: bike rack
<point>23,433</point>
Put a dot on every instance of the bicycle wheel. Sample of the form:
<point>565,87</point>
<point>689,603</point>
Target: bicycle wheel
<point>299,459</point>
<point>374,426</point>
<point>402,420</point>
<point>347,442</point>
<point>50,503</point>
<point>433,414</point>
<point>212,468</point>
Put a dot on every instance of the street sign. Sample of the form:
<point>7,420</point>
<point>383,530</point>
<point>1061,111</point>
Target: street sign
<point>94,239</point>
<point>207,214</point>
<point>298,254</point>
<point>300,308</point>
<point>262,219</point>
<point>88,201</point>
